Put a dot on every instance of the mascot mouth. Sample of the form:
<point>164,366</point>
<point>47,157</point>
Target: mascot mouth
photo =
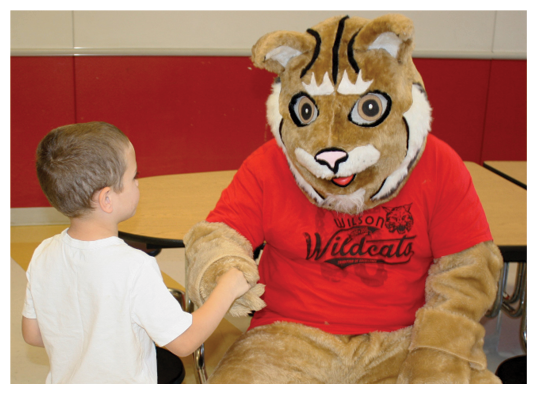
<point>343,182</point>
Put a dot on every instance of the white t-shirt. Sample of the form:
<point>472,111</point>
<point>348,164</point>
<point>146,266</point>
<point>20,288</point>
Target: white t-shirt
<point>99,306</point>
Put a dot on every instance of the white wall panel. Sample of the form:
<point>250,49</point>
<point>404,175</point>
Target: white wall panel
<point>438,33</point>
<point>511,32</point>
<point>42,29</point>
<point>453,31</point>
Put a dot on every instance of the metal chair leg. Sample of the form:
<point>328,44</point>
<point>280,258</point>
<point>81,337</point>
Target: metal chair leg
<point>179,296</point>
<point>199,353</point>
<point>518,295</point>
<point>199,363</point>
<point>524,326</point>
<point>506,302</point>
<point>502,284</point>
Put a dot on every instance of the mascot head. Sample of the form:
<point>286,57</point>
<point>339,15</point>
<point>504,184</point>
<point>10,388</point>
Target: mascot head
<point>348,109</point>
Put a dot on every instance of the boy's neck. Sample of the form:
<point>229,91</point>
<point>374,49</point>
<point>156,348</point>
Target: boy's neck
<point>91,229</point>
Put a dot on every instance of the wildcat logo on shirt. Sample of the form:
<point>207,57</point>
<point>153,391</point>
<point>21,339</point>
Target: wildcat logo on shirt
<point>362,240</point>
<point>399,219</point>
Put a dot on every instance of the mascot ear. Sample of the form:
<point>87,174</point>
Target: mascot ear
<point>391,33</point>
<point>274,50</point>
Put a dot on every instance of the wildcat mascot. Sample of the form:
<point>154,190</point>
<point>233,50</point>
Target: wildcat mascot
<point>378,261</point>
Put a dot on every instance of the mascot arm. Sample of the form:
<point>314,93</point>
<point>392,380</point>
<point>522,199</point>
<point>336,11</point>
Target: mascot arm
<point>447,339</point>
<point>211,250</point>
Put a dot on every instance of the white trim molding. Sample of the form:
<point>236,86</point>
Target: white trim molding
<point>37,217</point>
<point>246,52</point>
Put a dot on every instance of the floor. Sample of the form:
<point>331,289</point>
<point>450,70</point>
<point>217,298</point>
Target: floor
<point>30,364</point>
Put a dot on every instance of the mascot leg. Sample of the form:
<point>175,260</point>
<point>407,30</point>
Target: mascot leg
<point>483,376</point>
<point>277,353</point>
<point>283,353</point>
<point>379,356</point>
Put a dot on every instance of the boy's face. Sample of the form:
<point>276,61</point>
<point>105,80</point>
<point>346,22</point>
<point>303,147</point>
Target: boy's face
<point>128,198</point>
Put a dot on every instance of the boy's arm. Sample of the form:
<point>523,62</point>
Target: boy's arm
<point>231,285</point>
<point>31,332</point>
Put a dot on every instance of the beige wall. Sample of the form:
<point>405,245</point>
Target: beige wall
<point>462,34</point>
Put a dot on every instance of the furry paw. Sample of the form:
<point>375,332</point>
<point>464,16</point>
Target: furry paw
<point>218,268</point>
<point>250,301</point>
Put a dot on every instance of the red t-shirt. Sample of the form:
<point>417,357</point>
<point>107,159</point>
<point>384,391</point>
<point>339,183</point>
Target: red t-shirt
<point>351,274</point>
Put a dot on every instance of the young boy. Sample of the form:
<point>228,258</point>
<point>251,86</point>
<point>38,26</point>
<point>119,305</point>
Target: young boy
<point>96,304</point>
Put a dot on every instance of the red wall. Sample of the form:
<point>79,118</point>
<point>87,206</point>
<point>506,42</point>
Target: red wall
<point>190,114</point>
<point>42,98</point>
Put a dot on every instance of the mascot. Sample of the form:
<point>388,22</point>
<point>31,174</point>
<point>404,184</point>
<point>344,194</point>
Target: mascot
<point>378,262</point>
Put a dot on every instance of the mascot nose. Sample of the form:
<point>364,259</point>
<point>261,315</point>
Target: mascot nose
<point>332,158</point>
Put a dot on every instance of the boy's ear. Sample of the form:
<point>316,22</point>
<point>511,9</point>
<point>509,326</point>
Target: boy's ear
<point>104,199</point>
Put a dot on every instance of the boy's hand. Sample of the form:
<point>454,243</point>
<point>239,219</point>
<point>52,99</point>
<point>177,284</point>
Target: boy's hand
<point>230,286</point>
<point>234,281</point>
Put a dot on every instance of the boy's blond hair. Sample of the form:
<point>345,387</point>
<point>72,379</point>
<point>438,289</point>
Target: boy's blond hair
<point>75,161</point>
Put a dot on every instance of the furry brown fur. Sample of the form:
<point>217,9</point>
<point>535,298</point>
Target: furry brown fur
<point>293,353</point>
<point>445,344</point>
<point>215,248</point>
<point>393,74</point>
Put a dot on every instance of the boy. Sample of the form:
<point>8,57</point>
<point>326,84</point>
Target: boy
<point>96,304</point>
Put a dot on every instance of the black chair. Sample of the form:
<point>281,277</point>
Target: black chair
<point>515,305</point>
<point>513,370</point>
<point>152,246</point>
<point>170,368</point>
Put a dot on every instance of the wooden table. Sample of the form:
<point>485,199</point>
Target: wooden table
<point>171,204</point>
<point>505,206</point>
<point>513,171</point>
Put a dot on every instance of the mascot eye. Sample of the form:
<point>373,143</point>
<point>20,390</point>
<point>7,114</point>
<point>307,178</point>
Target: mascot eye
<point>370,110</point>
<point>303,110</point>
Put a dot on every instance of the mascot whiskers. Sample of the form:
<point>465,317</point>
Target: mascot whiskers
<point>378,261</point>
